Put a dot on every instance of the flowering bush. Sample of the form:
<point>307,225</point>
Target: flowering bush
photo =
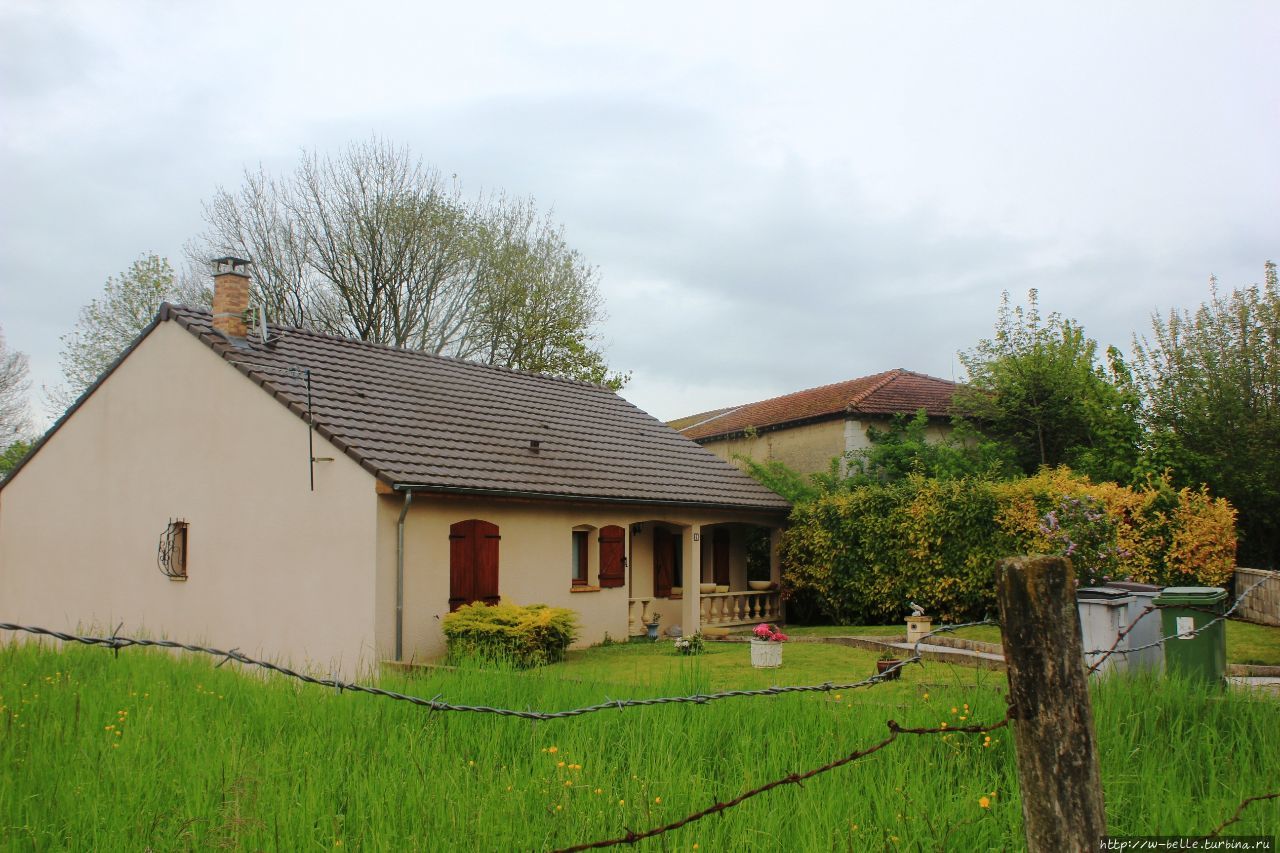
<point>769,633</point>
<point>1079,528</point>
<point>858,556</point>
<point>690,645</point>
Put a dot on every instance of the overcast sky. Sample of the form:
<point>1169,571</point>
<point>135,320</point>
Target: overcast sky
<point>777,195</point>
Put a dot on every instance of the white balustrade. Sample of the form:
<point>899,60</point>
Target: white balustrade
<point>740,608</point>
<point>723,609</point>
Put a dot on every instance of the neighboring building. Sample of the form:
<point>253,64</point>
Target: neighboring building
<point>807,429</point>
<point>328,501</point>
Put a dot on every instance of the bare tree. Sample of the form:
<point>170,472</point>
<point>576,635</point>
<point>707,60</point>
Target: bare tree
<point>375,245</point>
<point>15,417</point>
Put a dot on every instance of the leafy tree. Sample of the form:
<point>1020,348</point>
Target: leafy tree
<point>108,324</point>
<point>1039,387</point>
<point>373,244</point>
<point>15,420</point>
<point>790,483</point>
<point>905,448</point>
<point>12,455</point>
<point>1210,384</point>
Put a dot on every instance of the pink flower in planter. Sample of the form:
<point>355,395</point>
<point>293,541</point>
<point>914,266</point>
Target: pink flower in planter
<point>769,633</point>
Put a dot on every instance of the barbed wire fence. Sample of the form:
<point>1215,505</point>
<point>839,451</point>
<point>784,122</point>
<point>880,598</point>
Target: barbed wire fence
<point>1017,714</point>
<point>116,642</point>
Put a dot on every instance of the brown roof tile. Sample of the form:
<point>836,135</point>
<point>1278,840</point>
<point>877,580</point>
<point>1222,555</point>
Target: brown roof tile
<point>415,419</point>
<point>892,392</point>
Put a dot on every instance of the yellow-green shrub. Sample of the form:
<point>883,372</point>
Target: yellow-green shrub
<point>522,636</point>
<point>862,555</point>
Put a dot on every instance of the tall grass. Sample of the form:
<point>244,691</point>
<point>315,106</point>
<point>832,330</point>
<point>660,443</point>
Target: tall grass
<point>151,751</point>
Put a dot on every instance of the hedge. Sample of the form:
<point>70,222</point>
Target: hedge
<point>521,636</point>
<point>859,557</point>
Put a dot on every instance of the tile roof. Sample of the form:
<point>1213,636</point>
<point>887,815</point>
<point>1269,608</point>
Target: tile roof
<point>415,419</point>
<point>892,392</point>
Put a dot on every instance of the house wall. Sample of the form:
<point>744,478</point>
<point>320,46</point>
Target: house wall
<point>275,569</point>
<point>809,447</point>
<point>535,565</point>
<point>855,431</point>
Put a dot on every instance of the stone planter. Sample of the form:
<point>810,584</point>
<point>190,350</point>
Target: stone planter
<point>766,654</point>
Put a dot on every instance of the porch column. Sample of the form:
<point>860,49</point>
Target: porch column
<point>775,568</point>
<point>691,607</point>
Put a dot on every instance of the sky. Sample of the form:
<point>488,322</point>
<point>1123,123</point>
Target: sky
<point>777,196</point>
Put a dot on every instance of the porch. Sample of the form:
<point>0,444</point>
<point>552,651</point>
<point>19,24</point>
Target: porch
<point>717,609</point>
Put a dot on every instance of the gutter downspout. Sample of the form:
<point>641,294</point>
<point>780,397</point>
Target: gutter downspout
<point>408,499</point>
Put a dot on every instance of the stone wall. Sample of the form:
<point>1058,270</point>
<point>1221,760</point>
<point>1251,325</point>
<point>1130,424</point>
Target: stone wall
<point>1263,604</point>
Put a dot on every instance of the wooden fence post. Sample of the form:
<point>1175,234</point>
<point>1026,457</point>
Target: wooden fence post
<point>1062,805</point>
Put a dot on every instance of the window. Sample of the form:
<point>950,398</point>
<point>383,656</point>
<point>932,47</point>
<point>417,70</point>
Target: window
<point>580,551</point>
<point>172,553</point>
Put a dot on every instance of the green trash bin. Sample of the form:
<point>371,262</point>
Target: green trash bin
<point>1189,651</point>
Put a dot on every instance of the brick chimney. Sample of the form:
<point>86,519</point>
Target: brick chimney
<point>230,296</point>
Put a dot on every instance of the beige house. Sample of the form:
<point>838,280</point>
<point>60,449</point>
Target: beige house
<point>807,429</point>
<point>327,501</point>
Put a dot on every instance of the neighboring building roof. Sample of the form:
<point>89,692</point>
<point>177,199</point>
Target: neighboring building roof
<point>693,420</point>
<point>892,392</point>
<point>442,424</point>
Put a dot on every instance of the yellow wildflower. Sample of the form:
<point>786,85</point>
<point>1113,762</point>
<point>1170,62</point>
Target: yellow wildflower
<point>985,802</point>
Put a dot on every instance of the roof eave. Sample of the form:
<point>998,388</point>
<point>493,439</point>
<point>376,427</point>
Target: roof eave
<point>569,497</point>
<point>774,427</point>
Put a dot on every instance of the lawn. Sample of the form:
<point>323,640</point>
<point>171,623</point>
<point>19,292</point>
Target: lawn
<point>643,666</point>
<point>145,750</point>
<point>1246,642</point>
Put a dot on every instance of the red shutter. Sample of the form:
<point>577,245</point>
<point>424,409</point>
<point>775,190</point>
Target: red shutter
<point>613,570</point>
<point>663,562</point>
<point>487,562</point>
<point>473,563</point>
<point>462,554</point>
<point>720,555</point>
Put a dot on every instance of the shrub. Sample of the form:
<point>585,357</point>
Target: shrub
<point>862,555</point>
<point>521,636</point>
